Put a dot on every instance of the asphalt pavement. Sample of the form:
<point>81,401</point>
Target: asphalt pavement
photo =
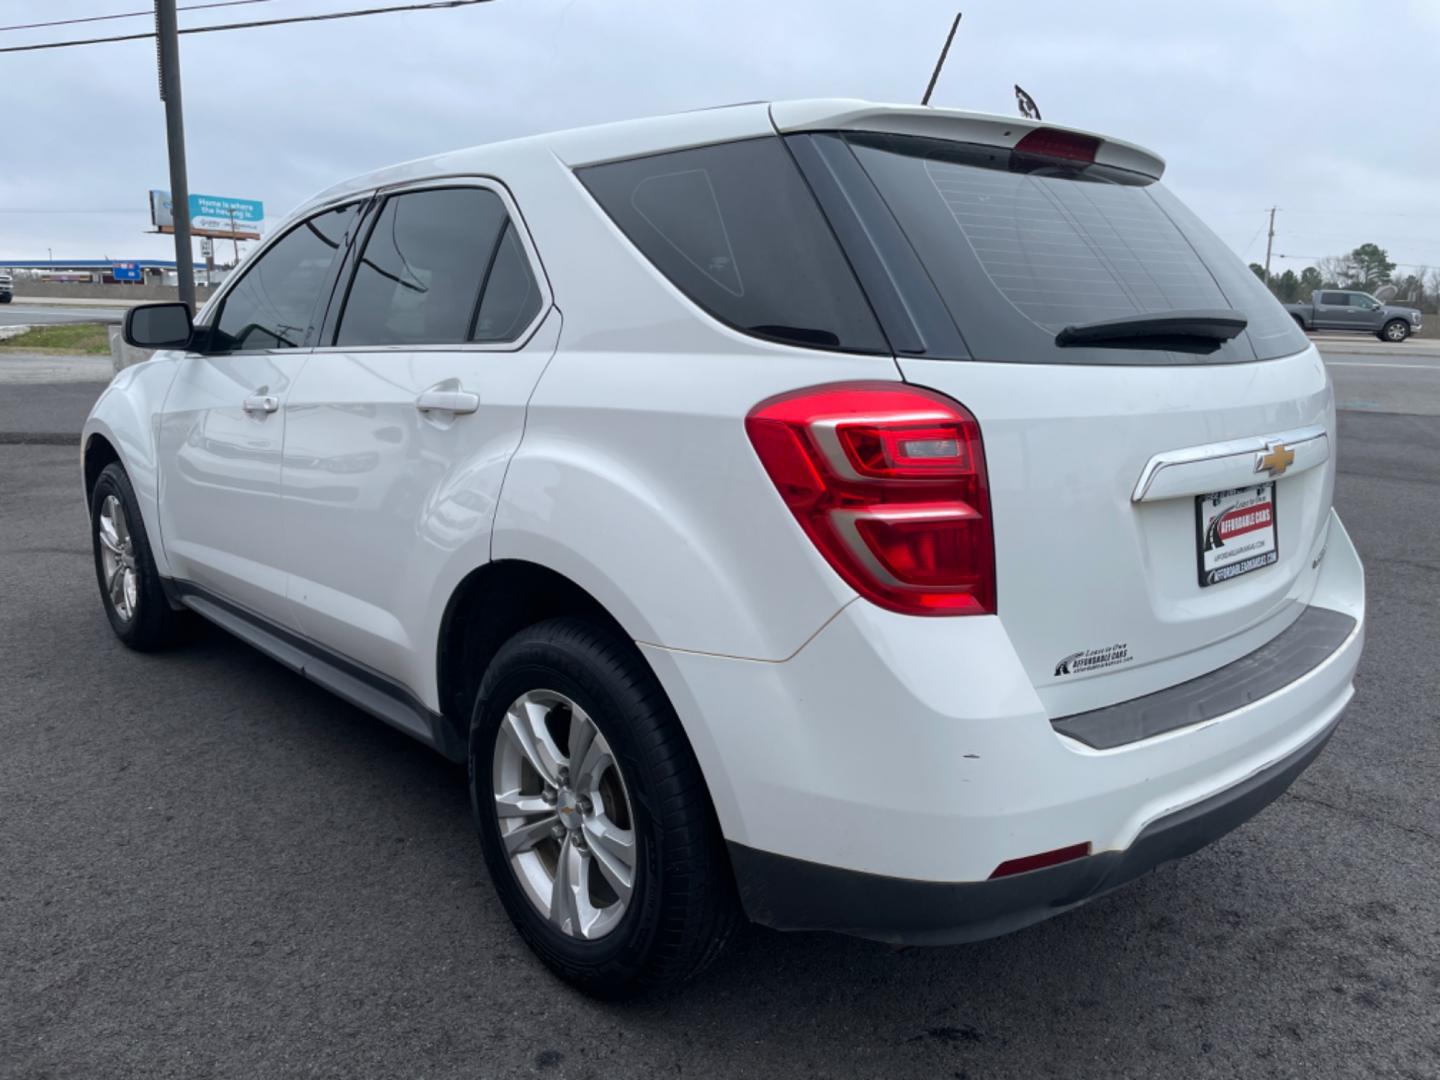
<point>209,867</point>
<point>40,314</point>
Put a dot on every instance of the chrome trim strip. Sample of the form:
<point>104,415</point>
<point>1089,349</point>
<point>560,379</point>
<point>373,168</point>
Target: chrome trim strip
<point>1215,451</point>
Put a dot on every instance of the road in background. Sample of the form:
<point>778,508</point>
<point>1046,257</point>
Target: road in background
<point>23,314</point>
<point>1392,382</point>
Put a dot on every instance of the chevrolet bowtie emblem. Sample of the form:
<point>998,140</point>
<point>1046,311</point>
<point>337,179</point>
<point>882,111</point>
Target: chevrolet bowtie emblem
<point>1275,459</point>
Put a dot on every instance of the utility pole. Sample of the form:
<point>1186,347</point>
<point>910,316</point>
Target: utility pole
<point>167,49</point>
<point>1269,242</point>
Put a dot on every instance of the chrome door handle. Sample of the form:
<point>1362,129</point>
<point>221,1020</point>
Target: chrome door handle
<point>451,401</point>
<point>261,403</point>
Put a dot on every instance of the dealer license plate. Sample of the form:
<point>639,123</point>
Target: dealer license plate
<point>1236,532</point>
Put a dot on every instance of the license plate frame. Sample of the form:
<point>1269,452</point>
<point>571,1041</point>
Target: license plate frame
<point>1236,532</point>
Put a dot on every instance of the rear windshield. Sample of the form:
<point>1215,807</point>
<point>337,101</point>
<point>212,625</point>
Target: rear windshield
<point>1017,256</point>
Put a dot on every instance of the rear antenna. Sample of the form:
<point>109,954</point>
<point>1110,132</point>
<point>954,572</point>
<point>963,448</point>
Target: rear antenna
<point>941,62</point>
<point>1028,108</point>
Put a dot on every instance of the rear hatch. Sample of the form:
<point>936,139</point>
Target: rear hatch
<point>1156,428</point>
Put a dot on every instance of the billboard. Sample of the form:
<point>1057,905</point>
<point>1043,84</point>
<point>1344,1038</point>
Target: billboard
<point>211,215</point>
<point>127,271</point>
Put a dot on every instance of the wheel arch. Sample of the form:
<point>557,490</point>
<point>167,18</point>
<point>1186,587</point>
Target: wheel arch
<point>98,452</point>
<point>122,427</point>
<point>499,599</point>
<point>489,606</point>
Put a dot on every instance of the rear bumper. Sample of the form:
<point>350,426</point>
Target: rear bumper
<point>875,781</point>
<point>791,894</point>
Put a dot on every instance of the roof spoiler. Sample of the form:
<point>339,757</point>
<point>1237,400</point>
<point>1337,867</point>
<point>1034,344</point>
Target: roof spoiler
<point>985,129</point>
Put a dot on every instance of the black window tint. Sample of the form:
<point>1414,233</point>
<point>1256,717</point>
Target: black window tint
<point>273,305</point>
<point>1269,327</point>
<point>735,228</point>
<point>511,296</point>
<point>1019,255</point>
<point>418,278</point>
<point>1336,299</point>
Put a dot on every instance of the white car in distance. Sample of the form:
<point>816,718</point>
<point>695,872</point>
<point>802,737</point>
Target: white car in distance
<point>890,520</point>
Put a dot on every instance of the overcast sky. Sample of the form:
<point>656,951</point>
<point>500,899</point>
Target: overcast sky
<point>1327,108</point>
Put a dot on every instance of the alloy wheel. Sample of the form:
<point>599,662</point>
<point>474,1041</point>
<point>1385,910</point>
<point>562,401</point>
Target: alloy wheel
<point>117,557</point>
<point>565,817</point>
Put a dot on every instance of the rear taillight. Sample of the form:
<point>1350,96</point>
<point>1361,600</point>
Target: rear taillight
<point>888,481</point>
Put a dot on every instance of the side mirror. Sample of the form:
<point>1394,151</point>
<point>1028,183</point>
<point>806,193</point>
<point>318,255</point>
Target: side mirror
<point>159,326</point>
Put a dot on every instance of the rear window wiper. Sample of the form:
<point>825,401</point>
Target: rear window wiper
<point>1193,327</point>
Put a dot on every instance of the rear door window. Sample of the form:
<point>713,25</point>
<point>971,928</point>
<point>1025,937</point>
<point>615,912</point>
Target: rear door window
<point>735,228</point>
<point>512,298</point>
<point>1019,255</point>
<point>418,278</point>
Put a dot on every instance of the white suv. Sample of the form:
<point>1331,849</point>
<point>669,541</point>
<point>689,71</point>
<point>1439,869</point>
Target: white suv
<point>890,520</point>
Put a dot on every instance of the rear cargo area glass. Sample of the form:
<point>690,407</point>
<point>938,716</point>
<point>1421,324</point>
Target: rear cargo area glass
<point>735,228</point>
<point>1019,255</point>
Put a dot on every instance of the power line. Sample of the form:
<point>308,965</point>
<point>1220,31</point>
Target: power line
<point>432,5</point>
<point>127,15</point>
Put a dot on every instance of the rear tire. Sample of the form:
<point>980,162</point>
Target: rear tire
<point>135,602</point>
<point>671,917</point>
<point>1395,330</point>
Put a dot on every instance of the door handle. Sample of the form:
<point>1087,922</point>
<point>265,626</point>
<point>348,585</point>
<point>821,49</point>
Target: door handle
<point>447,400</point>
<point>261,403</point>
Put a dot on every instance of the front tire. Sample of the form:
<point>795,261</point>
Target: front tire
<point>1395,330</point>
<point>593,815</point>
<point>135,602</point>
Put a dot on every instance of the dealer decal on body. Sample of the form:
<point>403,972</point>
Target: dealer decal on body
<point>1093,659</point>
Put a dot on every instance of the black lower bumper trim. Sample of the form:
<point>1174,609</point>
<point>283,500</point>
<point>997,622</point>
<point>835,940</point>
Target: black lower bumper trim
<point>792,894</point>
<point>1303,646</point>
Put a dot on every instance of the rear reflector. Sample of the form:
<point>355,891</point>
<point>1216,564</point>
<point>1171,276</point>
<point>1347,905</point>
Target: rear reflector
<point>888,481</point>
<point>1042,860</point>
<point>1058,145</point>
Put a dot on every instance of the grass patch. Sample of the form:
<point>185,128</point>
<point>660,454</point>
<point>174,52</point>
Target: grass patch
<point>91,339</point>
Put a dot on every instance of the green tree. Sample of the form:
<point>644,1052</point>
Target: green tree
<point>1310,280</point>
<point>1287,287</point>
<point>1258,270</point>
<point>1368,267</point>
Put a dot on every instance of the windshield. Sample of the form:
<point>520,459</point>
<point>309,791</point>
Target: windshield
<point>1018,256</point>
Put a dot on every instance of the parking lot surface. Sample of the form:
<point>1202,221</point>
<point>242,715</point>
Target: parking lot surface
<point>209,867</point>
